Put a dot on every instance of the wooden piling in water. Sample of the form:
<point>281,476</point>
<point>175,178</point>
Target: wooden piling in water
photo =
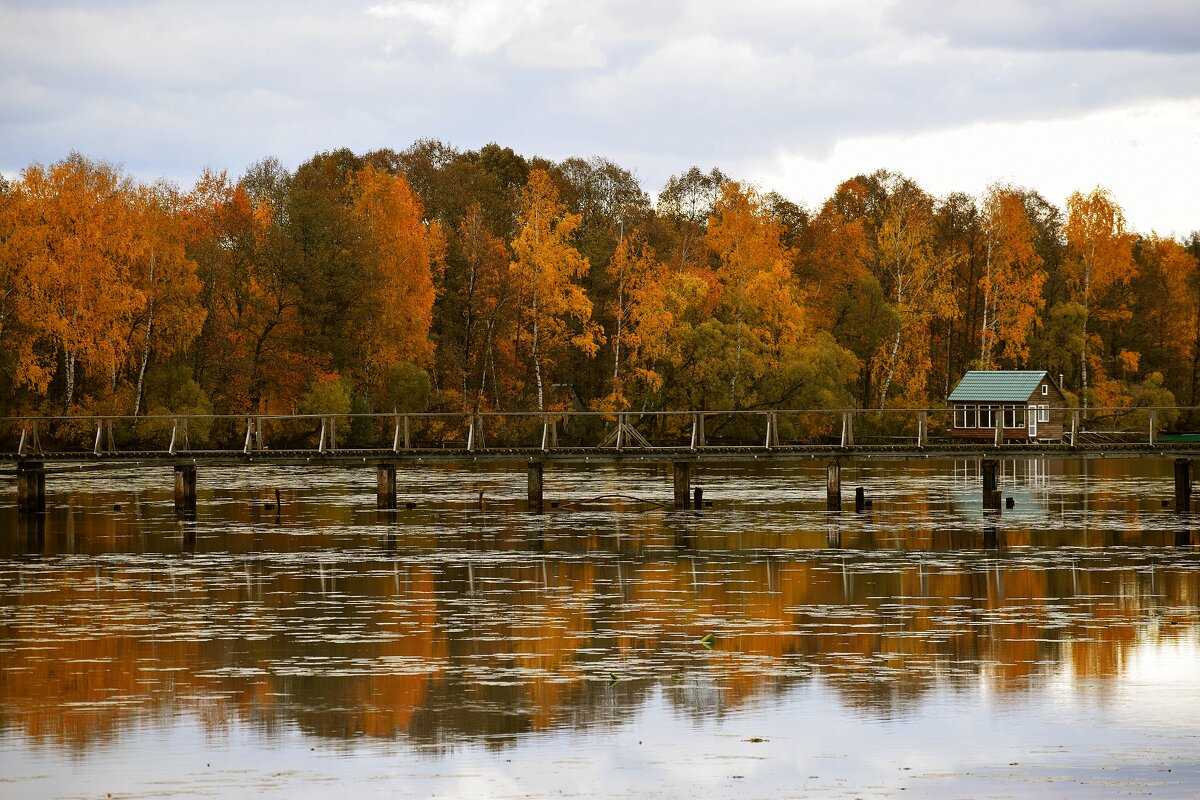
<point>683,479</point>
<point>385,492</point>
<point>833,486</point>
<point>860,500</point>
<point>698,498</point>
<point>31,487</point>
<point>991,494</point>
<point>534,473</point>
<point>1183,485</point>
<point>185,487</point>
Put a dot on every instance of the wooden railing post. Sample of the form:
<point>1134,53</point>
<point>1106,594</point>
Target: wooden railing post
<point>29,438</point>
<point>1153,432</point>
<point>248,444</point>
<point>772,431</point>
<point>847,429</point>
<point>922,429</point>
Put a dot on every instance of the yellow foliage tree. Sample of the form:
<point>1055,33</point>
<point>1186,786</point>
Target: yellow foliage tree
<point>758,295</point>
<point>917,281</point>
<point>552,307</point>
<point>640,280</point>
<point>1012,279</point>
<point>1099,252</point>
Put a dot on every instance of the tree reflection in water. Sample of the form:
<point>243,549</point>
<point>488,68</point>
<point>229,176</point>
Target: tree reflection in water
<point>452,625</point>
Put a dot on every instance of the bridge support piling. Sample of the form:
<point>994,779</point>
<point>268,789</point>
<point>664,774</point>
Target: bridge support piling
<point>534,482</point>
<point>683,480</point>
<point>833,486</point>
<point>385,495</point>
<point>1183,485</point>
<point>860,500</point>
<point>185,487</point>
<point>991,493</point>
<point>31,488</point>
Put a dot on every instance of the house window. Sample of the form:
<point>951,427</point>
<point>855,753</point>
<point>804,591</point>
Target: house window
<point>964,416</point>
<point>987,418</point>
<point>1044,413</point>
<point>1045,390</point>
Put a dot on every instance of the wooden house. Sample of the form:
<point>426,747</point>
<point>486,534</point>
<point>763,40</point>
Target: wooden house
<point>1027,403</point>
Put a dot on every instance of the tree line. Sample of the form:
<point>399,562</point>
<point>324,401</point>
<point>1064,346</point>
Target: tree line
<point>480,280</point>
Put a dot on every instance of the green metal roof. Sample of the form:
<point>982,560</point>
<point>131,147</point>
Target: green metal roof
<point>1001,386</point>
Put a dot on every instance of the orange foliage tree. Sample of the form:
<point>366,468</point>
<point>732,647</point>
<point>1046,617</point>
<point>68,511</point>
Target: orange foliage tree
<point>171,317</point>
<point>250,351</point>
<point>76,238</point>
<point>402,254</point>
<point>486,307</point>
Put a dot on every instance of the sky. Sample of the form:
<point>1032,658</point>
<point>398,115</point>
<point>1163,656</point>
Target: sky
<point>794,97</point>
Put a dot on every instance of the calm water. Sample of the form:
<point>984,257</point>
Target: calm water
<point>608,648</point>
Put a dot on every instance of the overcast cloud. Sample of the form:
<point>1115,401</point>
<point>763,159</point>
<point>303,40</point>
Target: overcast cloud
<point>1053,94</point>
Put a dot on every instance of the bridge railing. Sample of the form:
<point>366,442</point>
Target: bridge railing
<point>537,430</point>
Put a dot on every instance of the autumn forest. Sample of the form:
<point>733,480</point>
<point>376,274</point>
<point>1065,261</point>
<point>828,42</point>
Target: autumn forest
<point>448,280</point>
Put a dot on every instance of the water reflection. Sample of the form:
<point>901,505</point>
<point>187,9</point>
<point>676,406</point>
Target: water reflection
<point>465,623</point>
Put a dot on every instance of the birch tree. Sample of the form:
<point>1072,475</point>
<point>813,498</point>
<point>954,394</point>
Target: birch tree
<point>1099,252</point>
<point>554,311</point>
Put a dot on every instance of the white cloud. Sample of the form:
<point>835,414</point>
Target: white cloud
<point>1144,154</point>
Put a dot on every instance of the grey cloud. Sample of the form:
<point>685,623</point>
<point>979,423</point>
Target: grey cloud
<point>167,88</point>
<point>1166,26</point>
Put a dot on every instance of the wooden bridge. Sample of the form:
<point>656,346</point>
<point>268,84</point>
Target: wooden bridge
<point>34,446</point>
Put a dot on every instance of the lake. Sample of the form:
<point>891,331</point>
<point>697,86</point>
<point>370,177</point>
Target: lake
<point>609,647</point>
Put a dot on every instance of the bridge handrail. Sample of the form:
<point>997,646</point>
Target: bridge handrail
<point>472,427</point>
<point>17,418</point>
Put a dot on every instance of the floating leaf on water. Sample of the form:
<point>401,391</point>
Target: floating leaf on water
<point>613,677</point>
